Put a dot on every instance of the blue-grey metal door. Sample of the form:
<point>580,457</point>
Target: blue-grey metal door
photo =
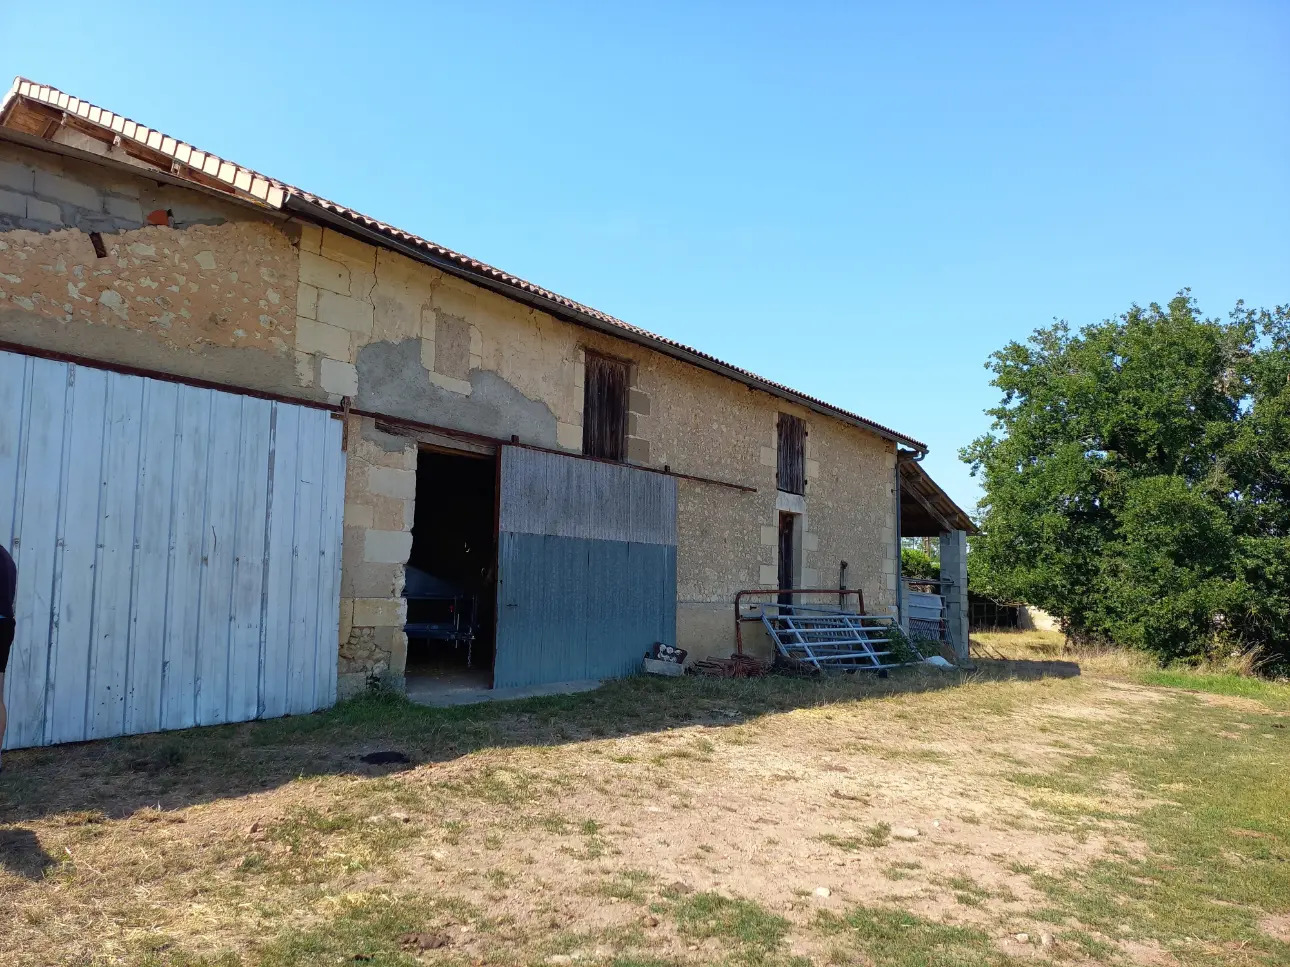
<point>586,578</point>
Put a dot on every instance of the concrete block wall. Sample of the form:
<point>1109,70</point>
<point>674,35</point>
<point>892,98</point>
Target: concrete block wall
<point>954,569</point>
<point>380,502</point>
<point>36,198</point>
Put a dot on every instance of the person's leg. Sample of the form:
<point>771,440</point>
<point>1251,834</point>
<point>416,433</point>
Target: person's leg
<point>6,639</point>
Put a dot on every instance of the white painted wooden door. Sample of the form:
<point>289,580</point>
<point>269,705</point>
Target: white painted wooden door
<point>178,553</point>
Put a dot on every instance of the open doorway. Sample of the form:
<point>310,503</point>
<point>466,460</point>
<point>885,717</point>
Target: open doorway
<point>451,574</point>
<point>787,555</point>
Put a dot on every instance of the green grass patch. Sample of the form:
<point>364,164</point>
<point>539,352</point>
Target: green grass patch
<point>626,885</point>
<point>969,893</point>
<point>452,831</point>
<point>1275,694</point>
<point>901,871</point>
<point>896,938</point>
<point>732,921</point>
<point>874,837</point>
<point>359,929</point>
<point>1208,811</point>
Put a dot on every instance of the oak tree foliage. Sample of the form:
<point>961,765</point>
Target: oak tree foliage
<point>1137,479</point>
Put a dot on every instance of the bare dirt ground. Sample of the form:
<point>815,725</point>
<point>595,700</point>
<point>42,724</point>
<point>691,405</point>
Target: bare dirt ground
<point>929,819</point>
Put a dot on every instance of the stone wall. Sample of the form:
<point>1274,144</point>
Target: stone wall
<point>380,501</point>
<point>217,291</point>
<point>209,293</point>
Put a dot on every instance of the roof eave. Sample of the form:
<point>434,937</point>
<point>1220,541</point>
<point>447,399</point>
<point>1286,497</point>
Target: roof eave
<point>9,95</point>
<point>194,168</point>
<point>312,210</point>
<point>910,467</point>
<point>133,168</point>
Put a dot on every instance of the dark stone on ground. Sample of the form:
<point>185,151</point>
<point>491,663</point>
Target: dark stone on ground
<point>385,758</point>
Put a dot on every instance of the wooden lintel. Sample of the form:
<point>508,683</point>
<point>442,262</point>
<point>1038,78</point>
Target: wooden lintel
<point>149,156</point>
<point>189,173</point>
<point>95,131</point>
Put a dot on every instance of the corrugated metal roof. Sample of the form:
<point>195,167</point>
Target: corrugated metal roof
<point>189,161</point>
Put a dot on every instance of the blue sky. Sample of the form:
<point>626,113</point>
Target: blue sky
<point>859,200</point>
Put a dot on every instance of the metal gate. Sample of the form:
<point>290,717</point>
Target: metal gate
<point>178,553</point>
<point>829,638</point>
<point>586,568</point>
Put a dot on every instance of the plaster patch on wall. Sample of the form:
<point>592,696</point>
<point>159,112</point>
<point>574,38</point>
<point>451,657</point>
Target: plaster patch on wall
<point>452,347</point>
<point>388,442</point>
<point>252,368</point>
<point>392,379</point>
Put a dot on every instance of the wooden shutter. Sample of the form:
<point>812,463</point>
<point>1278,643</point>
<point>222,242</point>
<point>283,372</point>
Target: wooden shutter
<point>604,408</point>
<point>792,454</point>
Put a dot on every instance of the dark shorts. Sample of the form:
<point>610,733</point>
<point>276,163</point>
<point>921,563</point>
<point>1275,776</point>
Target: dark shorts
<point>6,639</point>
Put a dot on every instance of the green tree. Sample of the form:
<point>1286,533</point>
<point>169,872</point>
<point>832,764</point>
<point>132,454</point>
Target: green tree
<point>917,563</point>
<point>1137,478</point>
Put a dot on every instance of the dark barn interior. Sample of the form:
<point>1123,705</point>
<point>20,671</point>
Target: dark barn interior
<point>451,573</point>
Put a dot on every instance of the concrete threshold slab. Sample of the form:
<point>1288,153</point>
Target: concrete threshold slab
<point>439,696</point>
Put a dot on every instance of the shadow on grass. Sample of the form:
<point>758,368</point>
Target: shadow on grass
<point>1027,670</point>
<point>117,777</point>
<point>21,853</point>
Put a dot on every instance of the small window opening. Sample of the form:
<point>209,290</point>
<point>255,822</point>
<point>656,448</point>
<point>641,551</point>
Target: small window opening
<point>791,476</point>
<point>604,408</point>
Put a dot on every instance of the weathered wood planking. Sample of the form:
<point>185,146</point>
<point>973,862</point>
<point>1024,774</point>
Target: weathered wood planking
<point>284,443</point>
<point>178,553</point>
<point>559,496</point>
<point>604,408</point>
<point>151,573</point>
<point>791,454</point>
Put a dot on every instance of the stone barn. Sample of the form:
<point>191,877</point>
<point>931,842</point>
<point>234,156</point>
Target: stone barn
<point>258,450</point>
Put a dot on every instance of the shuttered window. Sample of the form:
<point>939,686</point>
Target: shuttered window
<point>792,456</point>
<point>604,408</point>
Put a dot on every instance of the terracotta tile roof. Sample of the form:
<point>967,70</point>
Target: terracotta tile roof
<point>188,162</point>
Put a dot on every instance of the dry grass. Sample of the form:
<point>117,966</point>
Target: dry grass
<point>677,821</point>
